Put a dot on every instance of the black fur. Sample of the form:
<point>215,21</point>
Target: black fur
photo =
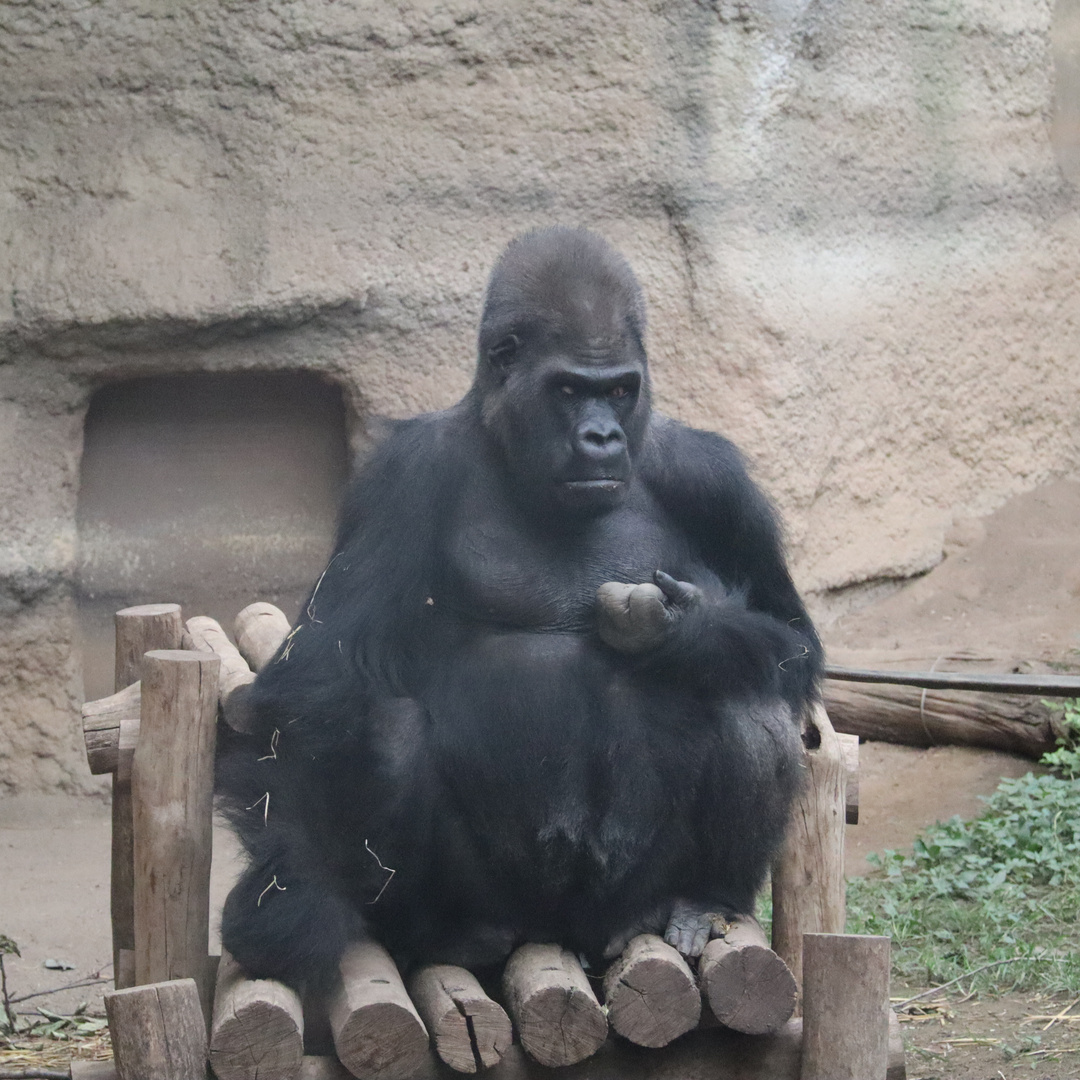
<point>445,708</point>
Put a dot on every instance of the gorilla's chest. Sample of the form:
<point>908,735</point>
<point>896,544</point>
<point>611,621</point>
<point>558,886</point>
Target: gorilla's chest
<point>498,571</point>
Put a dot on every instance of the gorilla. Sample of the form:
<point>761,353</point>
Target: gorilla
<point>549,686</point>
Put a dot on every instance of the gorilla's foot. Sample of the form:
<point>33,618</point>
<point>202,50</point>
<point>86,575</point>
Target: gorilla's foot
<point>470,1031</point>
<point>651,994</point>
<point>558,1018</point>
<point>748,987</point>
<point>690,929</point>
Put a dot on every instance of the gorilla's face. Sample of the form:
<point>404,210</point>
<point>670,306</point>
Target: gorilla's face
<point>569,419</point>
<point>562,377</point>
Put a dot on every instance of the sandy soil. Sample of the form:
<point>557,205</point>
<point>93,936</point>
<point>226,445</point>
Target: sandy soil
<point>1009,583</point>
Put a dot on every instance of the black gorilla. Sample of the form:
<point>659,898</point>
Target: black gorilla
<point>549,686</point>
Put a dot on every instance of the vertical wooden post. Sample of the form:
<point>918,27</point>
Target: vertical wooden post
<point>138,630</point>
<point>845,1007</point>
<point>172,784</point>
<point>808,875</point>
<point>158,1032</point>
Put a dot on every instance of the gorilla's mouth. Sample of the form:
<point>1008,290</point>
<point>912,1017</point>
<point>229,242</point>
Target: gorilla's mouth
<point>604,483</point>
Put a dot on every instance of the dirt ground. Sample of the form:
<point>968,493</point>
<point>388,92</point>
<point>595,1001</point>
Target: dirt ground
<point>1010,582</point>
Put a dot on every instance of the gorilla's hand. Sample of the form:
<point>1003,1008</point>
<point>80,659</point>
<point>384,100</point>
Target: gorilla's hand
<point>636,618</point>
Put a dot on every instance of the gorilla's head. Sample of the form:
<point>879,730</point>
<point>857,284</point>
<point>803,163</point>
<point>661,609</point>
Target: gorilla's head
<point>562,377</point>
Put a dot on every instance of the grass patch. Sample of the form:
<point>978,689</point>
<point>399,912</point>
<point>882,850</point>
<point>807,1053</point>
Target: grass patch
<point>1003,887</point>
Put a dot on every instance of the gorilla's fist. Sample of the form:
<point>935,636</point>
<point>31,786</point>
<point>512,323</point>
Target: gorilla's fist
<point>636,618</point>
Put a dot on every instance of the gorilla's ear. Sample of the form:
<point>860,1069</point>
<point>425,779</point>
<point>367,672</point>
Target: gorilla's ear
<point>502,354</point>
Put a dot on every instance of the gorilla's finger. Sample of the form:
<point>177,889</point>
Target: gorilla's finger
<point>680,593</point>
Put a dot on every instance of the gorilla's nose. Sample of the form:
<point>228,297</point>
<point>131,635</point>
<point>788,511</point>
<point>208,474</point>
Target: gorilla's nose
<point>600,442</point>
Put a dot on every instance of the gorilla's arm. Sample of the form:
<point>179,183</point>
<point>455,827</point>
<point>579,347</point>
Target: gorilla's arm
<point>748,631</point>
<point>361,631</point>
<point>312,708</point>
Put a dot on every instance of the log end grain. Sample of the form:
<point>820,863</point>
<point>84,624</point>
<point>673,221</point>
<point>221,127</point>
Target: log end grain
<point>561,1026</point>
<point>470,1031</point>
<point>158,1031</point>
<point>651,994</point>
<point>382,1040</point>
<point>749,988</point>
<point>559,1021</point>
<point>258,1027</point>
<point>378,1034</point>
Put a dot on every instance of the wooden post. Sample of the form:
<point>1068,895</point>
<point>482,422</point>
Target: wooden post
<point>845,1007</point>
<point>558,1019</point>
<point>378,1033</point>
<point>808,875</point>
<point>138,630</point>
<point>172,782</point>
<point>650,993</point>
<point>258,1027</point>
<point>259,630</point>
<point>471,1032</point>
<point>158,1031</point>
<point>849,747</point>
<point>749,987</point>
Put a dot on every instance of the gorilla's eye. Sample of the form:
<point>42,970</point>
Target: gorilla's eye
<point>505,351</point>
<point>568,390</point>
<point>619,391</point>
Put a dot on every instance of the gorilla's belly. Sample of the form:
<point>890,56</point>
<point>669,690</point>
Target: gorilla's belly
<point>557,726</point>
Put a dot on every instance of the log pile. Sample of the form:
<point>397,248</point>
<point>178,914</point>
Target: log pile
<point>1018,723</point>
<point>156,734</point>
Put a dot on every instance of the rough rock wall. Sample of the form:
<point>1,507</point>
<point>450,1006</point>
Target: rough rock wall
<point>853,219</point>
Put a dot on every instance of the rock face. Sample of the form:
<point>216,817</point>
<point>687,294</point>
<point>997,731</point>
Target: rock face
<point>855,223</point>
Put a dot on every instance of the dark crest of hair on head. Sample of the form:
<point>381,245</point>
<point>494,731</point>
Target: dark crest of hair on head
<point>563,280</point>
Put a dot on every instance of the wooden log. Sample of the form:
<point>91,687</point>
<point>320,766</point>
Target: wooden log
<point>849,747</point>
<point>93,1070</point>
<point>158,1031</point>
<point>808,875</point>
<point>138,630</point>
<point>715,1053</point>
<point>749,988</point>
<point>258,1028</point>
<point>260,629</point>
<point>204,634</point>
<point>103,721</point>
<point>650,993</point>
<point>897,1069</point>
<point>471,1032</point>
<point>172,781</point>
<point>558,1019</point>
<point>845,1007</point>
<point>1013,722</point>
<point>377,1030</point>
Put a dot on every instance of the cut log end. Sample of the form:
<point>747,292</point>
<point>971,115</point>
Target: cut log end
<point>258,1027</point>
<point>470,1031</point>
<point>651,994</point>
<point>383,1039</point>
<point>378,1034</point>
<point>558,1019</point>
<point>749,988</point>
<point>561,1026</point>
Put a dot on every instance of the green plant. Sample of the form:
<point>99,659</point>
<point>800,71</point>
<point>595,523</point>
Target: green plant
<point>1002,888</point>
<point>7,948</point>
<point>1065,760</point>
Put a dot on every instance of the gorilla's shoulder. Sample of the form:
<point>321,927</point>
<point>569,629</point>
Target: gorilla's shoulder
<point>677,454</point>
<point>702,476</point>
<point>404,472</point>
